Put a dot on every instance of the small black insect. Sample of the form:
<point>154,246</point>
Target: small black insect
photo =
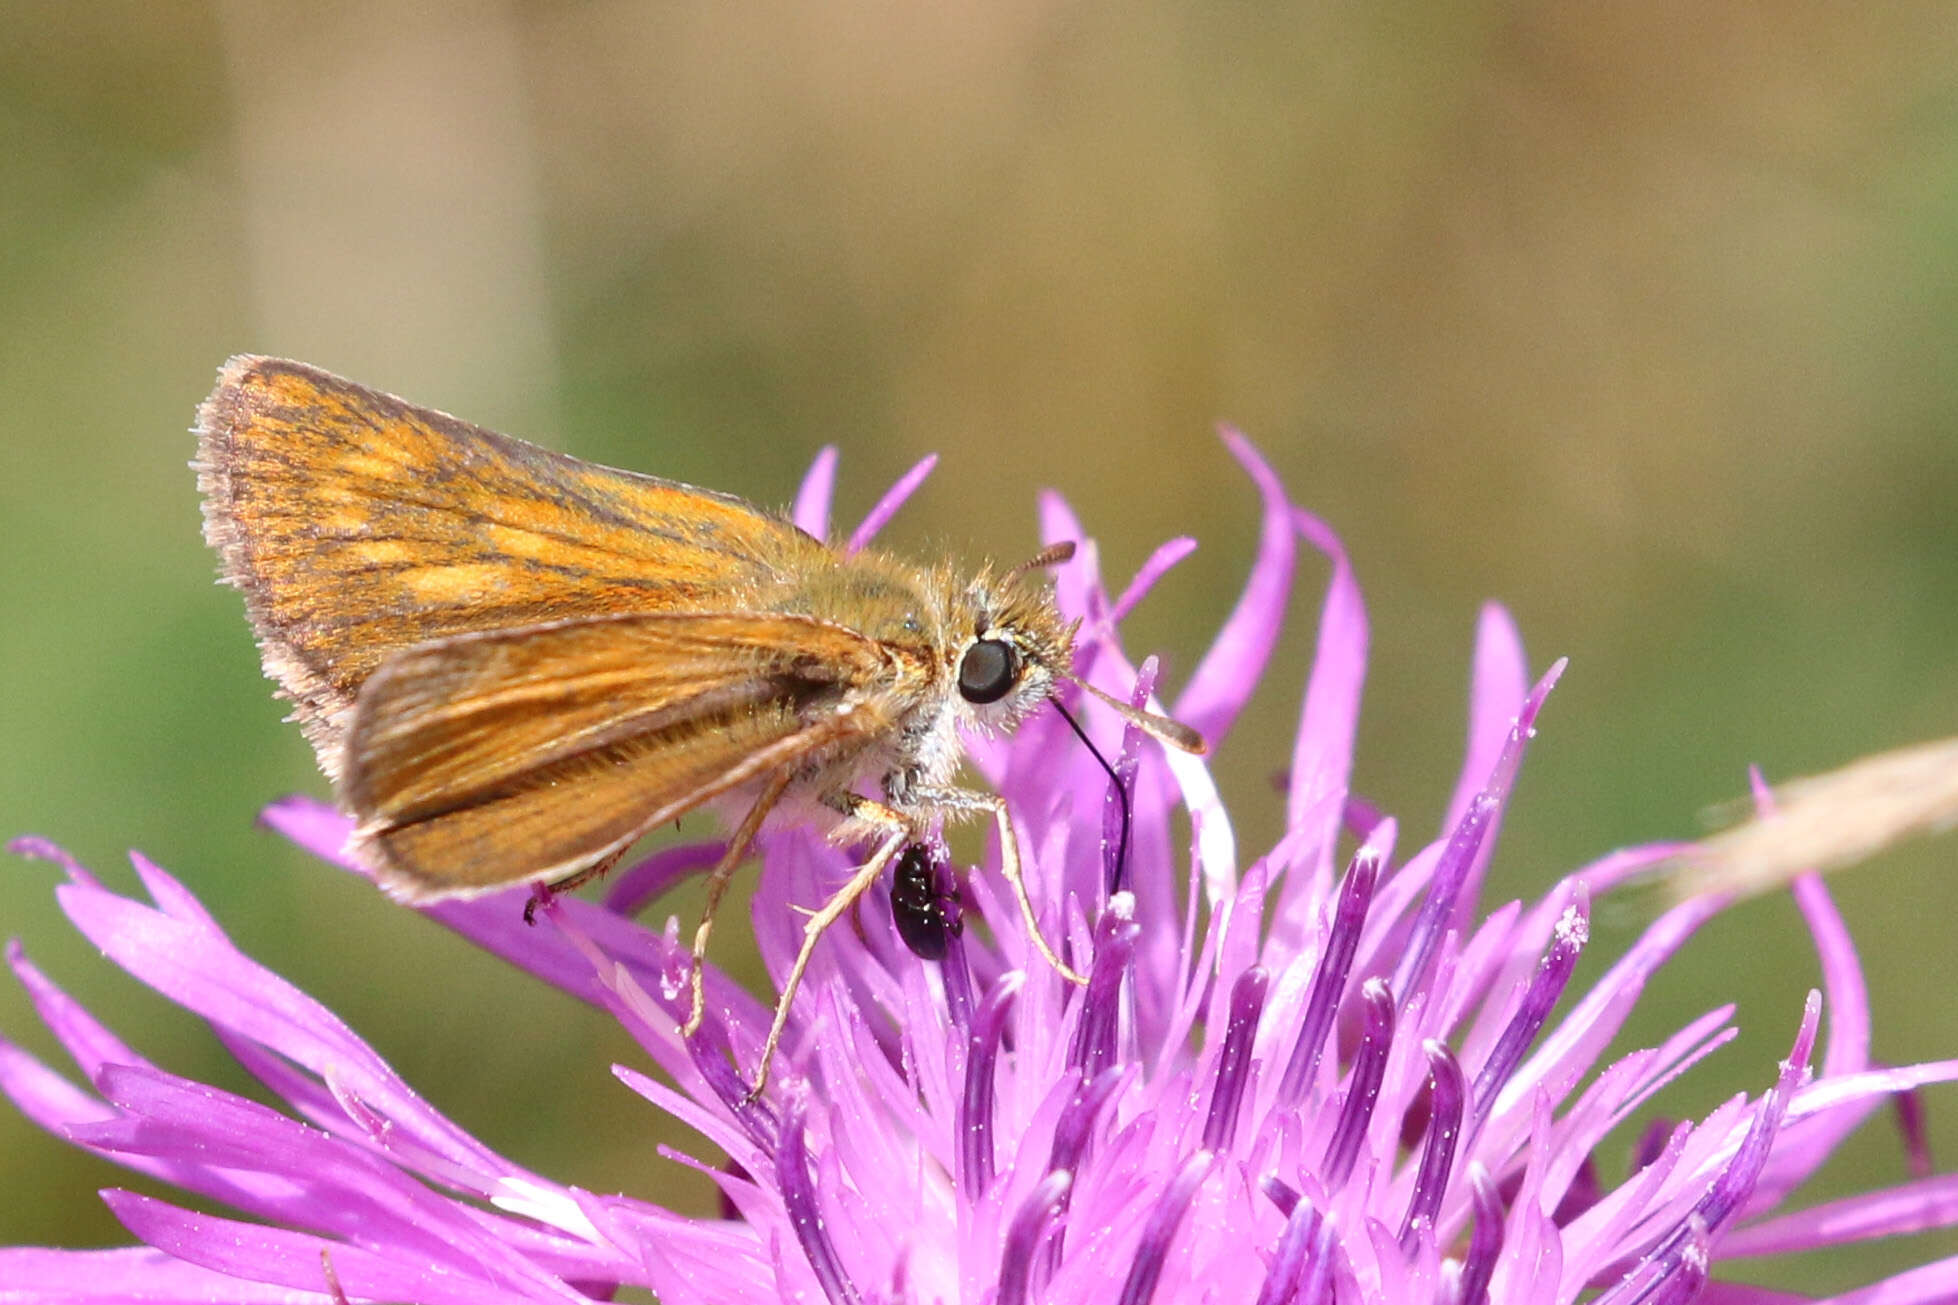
<point>925,903</point>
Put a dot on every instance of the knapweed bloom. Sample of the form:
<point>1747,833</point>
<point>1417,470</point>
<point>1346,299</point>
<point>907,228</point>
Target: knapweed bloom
<point>1317,1072</point>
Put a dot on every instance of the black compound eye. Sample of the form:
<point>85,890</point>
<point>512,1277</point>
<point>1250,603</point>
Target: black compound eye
<point>988,671</point>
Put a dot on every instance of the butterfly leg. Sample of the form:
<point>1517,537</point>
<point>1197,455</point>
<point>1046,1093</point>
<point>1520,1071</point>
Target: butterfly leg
<point>544,892</point>
<point>829,913</point>
<point>717,882</point>
<point>1009,867</point>
<point>968,800</point>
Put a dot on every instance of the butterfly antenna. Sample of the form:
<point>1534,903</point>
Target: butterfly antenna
<point>1161,728</point>
<point>1121,796</point>
<point>1052,555</point>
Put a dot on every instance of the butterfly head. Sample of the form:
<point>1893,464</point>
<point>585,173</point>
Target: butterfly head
<point>1011,645</point>
<point>1016,647</point>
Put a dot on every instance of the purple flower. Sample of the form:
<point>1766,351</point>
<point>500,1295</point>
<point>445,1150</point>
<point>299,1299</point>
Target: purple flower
<point>1288,1078</point>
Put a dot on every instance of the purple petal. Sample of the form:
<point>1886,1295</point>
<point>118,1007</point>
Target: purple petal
<point>654,876</point>
<point>1911,1127</point>
<point>1153,568</point>
<point>1844,992</point>
<point>887,506</point>
<point>134,1275</point>
<point>197,967</point>
<point>1322,756</point>
<point>1736,1180</point>
<point>1078,592</point>
<point>89,1043</point>
<point>1467,843</point>
<point>171,897</point>
<point>711,1122</point>
<point>811,510</point>
<point>1846,995</point>
<point>46,1097</point>
<point>328,1184</point>
<point>1581,1037</point>
<point>1498,684</point>
<point>496,922</point>
<point>1845,998</point>
<point>315,826</point>
<point>1891,1212</point>
<point>65,1111</point>
<point>1927,1284</point>
<point>1322,1266</point>
<point>1827,1094</point>
<point>1230,670</point>
<point>1077,581</point>
<point>280,1257</point>
<point>44,849</point>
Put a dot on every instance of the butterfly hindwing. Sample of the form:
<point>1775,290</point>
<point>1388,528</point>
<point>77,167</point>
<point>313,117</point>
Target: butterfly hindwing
<point>460,750</point>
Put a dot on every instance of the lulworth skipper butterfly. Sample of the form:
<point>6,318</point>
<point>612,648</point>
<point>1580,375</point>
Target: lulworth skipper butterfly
<point>513,664</point>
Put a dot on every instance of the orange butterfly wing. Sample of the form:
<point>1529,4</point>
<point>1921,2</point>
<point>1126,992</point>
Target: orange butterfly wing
<point>359,525</point>
<point>460,751</point>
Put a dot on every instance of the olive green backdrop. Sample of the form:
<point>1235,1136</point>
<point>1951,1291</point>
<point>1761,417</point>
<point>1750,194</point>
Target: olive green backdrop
<point>1639,317</point>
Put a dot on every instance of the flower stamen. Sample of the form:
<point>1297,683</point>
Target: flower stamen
<point>976,1104</point>
<point>1234,1060</point>
<point>1335,961</point>
<point>1362,1084</point>
<point>1438,1151</point>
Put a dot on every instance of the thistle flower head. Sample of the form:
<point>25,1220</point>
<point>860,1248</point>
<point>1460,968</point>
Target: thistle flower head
<point>1318,1072</point>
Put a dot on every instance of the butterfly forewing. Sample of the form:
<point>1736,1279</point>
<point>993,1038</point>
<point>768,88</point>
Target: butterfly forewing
<point>461,750</point>
<point>358,525</point>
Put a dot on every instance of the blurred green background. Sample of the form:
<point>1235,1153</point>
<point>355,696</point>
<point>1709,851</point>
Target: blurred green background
<point>1641,318</point>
